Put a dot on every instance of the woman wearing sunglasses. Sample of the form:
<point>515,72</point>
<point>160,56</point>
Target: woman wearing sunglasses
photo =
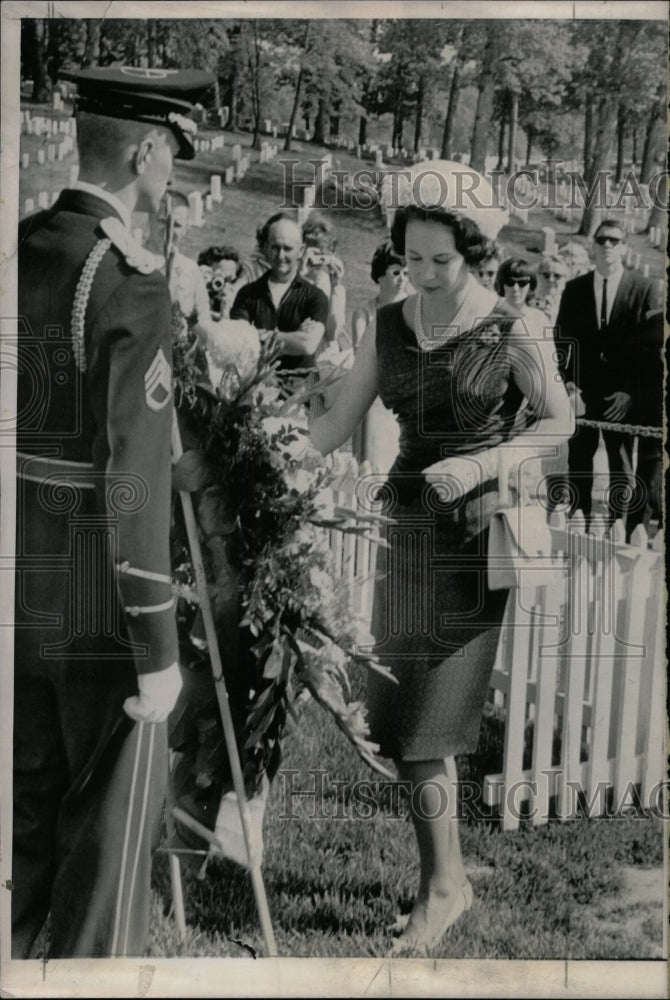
<point>551,277</point>
<point>515,281</point>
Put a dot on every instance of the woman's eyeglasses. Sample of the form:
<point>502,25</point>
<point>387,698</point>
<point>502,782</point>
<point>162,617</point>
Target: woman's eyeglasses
<point>552,274</point>
<point>486,274</point>
<point>612,240</point>
<point>521,282</point>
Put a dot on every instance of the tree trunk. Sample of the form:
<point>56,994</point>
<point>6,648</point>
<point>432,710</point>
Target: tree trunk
<point>418,122</point>
<point>320,123</point>
<point>620,142</point>
<point>362,130</point>
<point>501,138</point>
<point>607,118</point>
<point>513,122</point>
<point>657,217</point>
<point>651,143</point>
<point>92,43</point>
<point>151,43</point>
<point>447,134</point>
<point>530,135</point>
<point>296,99</point>
<point>41,81</point>
<point>634,145</point>
<point>398,125</point>
<point>588,135</point>
<point>256,141</point>
<point>480,134</point>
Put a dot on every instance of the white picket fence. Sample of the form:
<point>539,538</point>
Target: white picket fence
<point>580,670</point>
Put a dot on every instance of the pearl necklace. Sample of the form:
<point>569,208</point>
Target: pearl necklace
<point>451,330</point>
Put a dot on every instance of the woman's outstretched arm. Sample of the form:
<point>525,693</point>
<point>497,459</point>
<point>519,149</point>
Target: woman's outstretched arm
<point>333,428</point>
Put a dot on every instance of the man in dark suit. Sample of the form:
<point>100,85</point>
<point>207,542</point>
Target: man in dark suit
<point>647,410</point>
<point>96,670</point>
<point>598,320</point>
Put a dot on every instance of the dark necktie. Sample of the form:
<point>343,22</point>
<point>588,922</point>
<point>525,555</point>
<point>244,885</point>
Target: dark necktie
<point>603,308</point>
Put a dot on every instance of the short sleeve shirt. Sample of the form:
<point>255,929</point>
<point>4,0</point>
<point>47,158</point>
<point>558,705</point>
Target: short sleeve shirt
<point>302,300</point>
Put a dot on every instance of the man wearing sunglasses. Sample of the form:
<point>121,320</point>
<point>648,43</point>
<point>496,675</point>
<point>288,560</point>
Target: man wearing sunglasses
<point>598,321</point>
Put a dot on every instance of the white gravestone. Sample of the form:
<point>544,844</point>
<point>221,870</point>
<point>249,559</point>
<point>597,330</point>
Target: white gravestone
<point>195,208</point>
<point>215,188</point>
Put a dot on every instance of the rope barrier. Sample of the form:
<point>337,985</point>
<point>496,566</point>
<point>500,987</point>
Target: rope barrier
<point>639,430</point>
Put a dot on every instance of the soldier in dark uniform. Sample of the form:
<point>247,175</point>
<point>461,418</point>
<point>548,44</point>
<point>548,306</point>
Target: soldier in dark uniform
<point>96,670</point>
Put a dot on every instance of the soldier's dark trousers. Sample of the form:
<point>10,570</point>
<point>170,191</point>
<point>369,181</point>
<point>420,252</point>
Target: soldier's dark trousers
<point>89,787</point>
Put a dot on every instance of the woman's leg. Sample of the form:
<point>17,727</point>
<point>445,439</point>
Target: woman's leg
<point>440,900</point>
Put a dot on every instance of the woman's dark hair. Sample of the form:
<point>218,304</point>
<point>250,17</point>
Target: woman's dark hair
<point>212,255</point>
<point>383,257</point>
<point>263,232</point>
<point>469,241</point>
<point>514,267</point>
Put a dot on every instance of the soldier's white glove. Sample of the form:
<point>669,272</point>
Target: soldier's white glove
<point>157,696</point>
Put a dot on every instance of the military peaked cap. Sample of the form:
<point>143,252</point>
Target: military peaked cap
<point>142,94</point>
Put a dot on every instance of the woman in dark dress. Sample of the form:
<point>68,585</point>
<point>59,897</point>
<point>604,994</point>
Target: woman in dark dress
<point>454,365</point>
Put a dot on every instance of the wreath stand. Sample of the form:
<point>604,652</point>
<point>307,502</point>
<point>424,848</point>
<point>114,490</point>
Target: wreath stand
<point>253,858</point>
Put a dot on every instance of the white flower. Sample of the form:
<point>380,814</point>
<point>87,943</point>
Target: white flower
<point>301,480</point>
<point>233,343</point>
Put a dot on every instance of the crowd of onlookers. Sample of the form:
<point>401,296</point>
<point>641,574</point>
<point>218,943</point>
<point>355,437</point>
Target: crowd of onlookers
<point>605,318</point>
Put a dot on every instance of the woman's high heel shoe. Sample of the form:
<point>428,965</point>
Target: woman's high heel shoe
<point>468,893</point>
<point>410,942</point>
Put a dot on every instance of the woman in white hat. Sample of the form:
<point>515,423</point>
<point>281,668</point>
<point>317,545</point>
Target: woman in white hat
<point>455,365</point>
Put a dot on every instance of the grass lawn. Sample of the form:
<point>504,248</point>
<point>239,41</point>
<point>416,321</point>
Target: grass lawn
<point>584,889</point>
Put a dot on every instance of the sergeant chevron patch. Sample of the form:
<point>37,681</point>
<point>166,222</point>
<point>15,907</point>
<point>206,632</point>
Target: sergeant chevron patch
<point>158,382</point>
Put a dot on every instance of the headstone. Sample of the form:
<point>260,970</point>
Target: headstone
<point>43,199</point>
<point>358,151</point>
<point>74,173</point>
<point>638,261</point>
<point>25,161</point>
<point>274,131</point>
<point>548,236</point>
<point>215,188</point>
<point>58,101</point>
<point>30,126</point>
<point>268,125</point>
<point>60,150</point>
<point>51,152</point>
<point>30,205</point>
<point>236,152</point>
<point>379,158</point>
<point>41,156</point>
<point>645,270</point>
<point>629,257</point>
<point>229,175</point>
<point>195,208</point>
<point>208,203</point>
